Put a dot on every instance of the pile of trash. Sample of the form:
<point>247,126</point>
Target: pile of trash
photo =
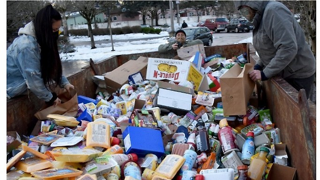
<point>169,123</point>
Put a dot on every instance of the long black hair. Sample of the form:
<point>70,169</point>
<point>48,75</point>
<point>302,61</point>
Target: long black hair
<point>50,62</point>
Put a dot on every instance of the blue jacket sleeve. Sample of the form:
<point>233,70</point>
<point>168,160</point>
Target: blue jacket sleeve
<point>29,64</point>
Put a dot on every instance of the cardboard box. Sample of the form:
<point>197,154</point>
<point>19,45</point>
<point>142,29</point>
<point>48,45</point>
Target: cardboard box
<point>188,52</point>
<point>280,172</point>
<point>176,71</point>
<point>197,60</point>
<point>119,76</point>
<point>236,90</point>
<point>280,156</point>
<point>143,141</point>
<point>173,97</point>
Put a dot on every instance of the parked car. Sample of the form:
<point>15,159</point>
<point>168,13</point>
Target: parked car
<point>193,33</point>
<point>217,24</point>
<point>221,24</point>
<point>238,25</point>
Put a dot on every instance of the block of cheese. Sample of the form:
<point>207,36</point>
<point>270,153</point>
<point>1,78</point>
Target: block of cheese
<point>57,173</point>
<point>33,164</point>
<point>46,139</point>
<point>170,165</point>
<point>88,177</point>
<point>62,120</point>
<point>15,159</point>
<point>75,155</point>
<point>98,134</point>
<point>34,152</point>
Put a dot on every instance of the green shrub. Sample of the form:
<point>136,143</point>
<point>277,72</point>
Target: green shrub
<point>117,31</point>
<point>136,29</point>
<point>126,30</point>
<point>145,30</point>
<point>78,32</point>
<point>99,31</point>
<point>157,31</point>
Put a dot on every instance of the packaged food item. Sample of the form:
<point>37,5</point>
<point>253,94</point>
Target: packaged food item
<point>57,173</point>
<point>150,162</point>
<point>265,119</point>
<point>170,165</point>
<point>62,120</point>
<point>255,128</point>
<point>225,174</point>
<point>258,165</point>
<point>75,154</point>
<point>88,177</point>
<point>33,164</point>
<point>98,134</point>
<point>46,139</point>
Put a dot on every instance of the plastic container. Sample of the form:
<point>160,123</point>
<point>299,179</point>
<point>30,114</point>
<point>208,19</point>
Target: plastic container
<point>122,158</point>
<point>115,149</point>
<point>243,172</point>
<point>248,148</point>
<point>202,138</point>
<point>132,169</point>
<point>190,156</point>
<point>226,137</point>
<point>258,165</point>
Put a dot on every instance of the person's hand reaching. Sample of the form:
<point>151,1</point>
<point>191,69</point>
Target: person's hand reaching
<point>69,87</point>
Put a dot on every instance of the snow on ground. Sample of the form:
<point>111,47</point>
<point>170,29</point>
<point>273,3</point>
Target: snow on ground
<point>103,50</point>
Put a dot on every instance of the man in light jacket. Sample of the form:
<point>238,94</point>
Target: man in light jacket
<point>280,43</point>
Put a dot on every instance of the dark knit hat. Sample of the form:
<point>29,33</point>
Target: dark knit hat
<point>179,32</point>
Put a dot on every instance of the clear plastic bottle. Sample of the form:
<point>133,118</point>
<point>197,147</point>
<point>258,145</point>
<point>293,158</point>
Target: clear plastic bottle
<point>258,165</point>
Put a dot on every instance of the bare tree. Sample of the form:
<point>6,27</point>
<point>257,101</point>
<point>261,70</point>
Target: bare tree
<point>20,13</point>
<point>88,10</point>
<point>63,7</point>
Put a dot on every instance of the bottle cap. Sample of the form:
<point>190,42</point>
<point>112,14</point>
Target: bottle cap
<point>250,134</point>
<point>264,149</point>
<point>133,157</point>
<point>242,167</point>
<point>223,123</point>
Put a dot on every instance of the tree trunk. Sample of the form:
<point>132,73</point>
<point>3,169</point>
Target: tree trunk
<point>65,26</point>
<point>91,35</point>
<point>144,19</point>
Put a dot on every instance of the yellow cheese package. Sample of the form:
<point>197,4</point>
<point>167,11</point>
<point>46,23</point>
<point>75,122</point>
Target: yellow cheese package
<point>75,154</point>
<point>57,173</point>
<point>88,177</point>
<point>170,165</point>
<point>62,120</point>
<point>98,134</point>
<point>15,159</point>
<point>33,164</point>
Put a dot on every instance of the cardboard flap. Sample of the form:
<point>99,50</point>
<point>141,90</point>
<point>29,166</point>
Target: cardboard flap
<point>280,172</point>
<point>174,87</point>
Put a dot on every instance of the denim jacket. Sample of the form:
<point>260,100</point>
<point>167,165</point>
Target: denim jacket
<point>23,66</point>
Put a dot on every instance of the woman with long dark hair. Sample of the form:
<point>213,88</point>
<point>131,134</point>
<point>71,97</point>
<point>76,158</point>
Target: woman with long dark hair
<point>33,61</point>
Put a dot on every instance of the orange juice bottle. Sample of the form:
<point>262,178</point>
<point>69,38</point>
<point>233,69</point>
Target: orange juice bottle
<point>115,149</point>
<point>258,165</point>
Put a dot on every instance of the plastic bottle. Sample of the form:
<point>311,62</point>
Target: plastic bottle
<point>202,138</point>
<point>132,169</point>
<point>243,172</point>
<point>122,158</point>
<point>248,148</point>
<point>115,149</point>
<point>226,137</point>
<point>190,156</point>
<point>258,165</point>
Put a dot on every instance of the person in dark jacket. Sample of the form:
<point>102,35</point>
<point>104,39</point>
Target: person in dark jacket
<point>280,43</point>
<point>33,61</point>
<point>184,24</point>
<point>181,41</point>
